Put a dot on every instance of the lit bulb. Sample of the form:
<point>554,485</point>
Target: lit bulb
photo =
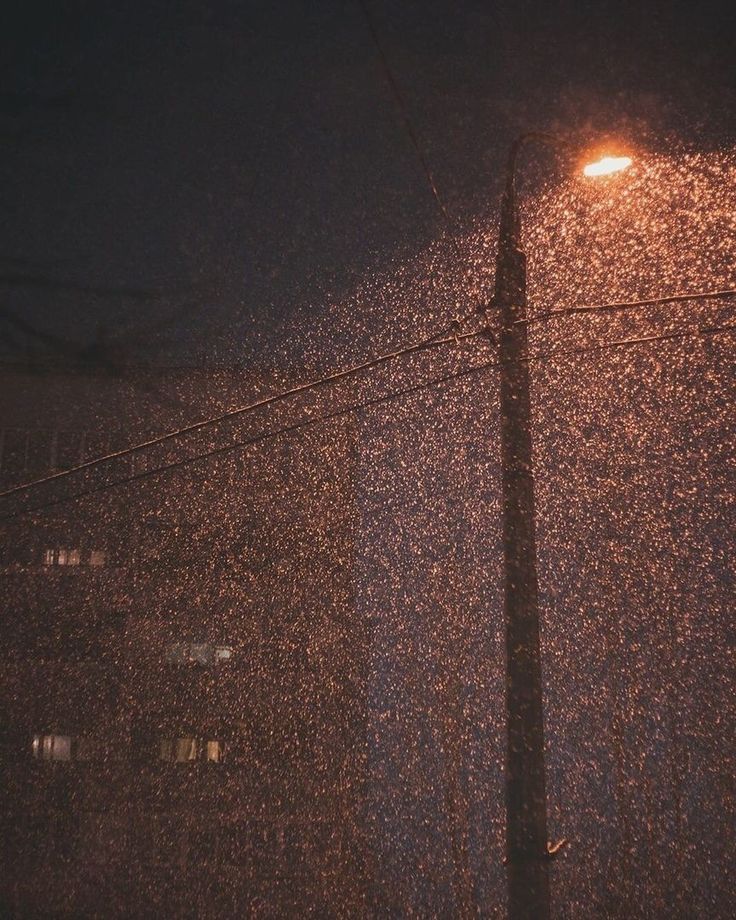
<point>607,165</point>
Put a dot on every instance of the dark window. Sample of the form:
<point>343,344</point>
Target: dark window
<point>39,451</point>
<point>15,451</point>
<point>69,449</point>
<point>96,445</point>
<point>203,845</point>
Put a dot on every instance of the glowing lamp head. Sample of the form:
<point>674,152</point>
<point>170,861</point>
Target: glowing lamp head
<point>607,165</point>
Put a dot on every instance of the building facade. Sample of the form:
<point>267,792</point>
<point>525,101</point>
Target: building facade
<point>183,699</point>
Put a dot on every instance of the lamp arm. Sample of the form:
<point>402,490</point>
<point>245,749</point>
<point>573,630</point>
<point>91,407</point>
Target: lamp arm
<point>510,227</point>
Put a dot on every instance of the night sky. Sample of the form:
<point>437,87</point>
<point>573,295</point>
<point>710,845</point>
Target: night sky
<point>249,159</point>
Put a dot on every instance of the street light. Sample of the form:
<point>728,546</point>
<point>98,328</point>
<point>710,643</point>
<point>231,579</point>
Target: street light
<point>606,166</point>
<point>527,848</point>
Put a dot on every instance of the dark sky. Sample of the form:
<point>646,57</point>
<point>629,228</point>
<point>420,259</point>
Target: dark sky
<point>255,149</point>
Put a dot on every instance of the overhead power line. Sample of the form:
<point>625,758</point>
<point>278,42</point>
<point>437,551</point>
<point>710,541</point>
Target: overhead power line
<point>423,344</point>
<point>306,423</point>
<point>629,304</point>
<point>234,445</point>
<point>639,340</point>
<point>412,134</point>
<point>431,342</point>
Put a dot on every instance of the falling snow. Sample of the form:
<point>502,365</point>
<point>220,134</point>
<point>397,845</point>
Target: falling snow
<point>350,559</point>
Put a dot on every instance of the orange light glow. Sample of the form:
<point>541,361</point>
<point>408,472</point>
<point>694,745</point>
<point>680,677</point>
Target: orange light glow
<point>607,165</point>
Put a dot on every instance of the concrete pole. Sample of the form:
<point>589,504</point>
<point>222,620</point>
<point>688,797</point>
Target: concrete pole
<point>527,860</point>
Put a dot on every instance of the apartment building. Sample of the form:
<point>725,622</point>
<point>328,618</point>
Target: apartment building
<point>183,684</point>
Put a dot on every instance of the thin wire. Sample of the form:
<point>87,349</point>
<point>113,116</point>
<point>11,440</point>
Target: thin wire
<point>288,429</point>
<point>276,112</point>
<point>628,304</point>
<point>539,357</point>
<point>404,109</point>
<point>241,410</point>
<point>337,375</point>
<point>602,346</point>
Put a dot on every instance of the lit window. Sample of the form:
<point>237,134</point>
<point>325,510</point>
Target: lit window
<point>200,652</point>
<point>197,653</point>
<point>187,750</point>
<point>188,653</point>
<point>214,751</point>
<point>179,750</point>
<point>61,556</point>
<point>65,747</point>
<point>97,557</point>
<point>52,747</point>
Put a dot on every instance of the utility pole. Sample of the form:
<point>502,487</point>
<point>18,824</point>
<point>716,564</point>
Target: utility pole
<point>527,850</point>
<point>526,800</point>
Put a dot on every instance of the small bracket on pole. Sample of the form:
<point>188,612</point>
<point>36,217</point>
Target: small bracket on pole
<point>554,848</point>
<point>487,307</point>
<point>486,330</point>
